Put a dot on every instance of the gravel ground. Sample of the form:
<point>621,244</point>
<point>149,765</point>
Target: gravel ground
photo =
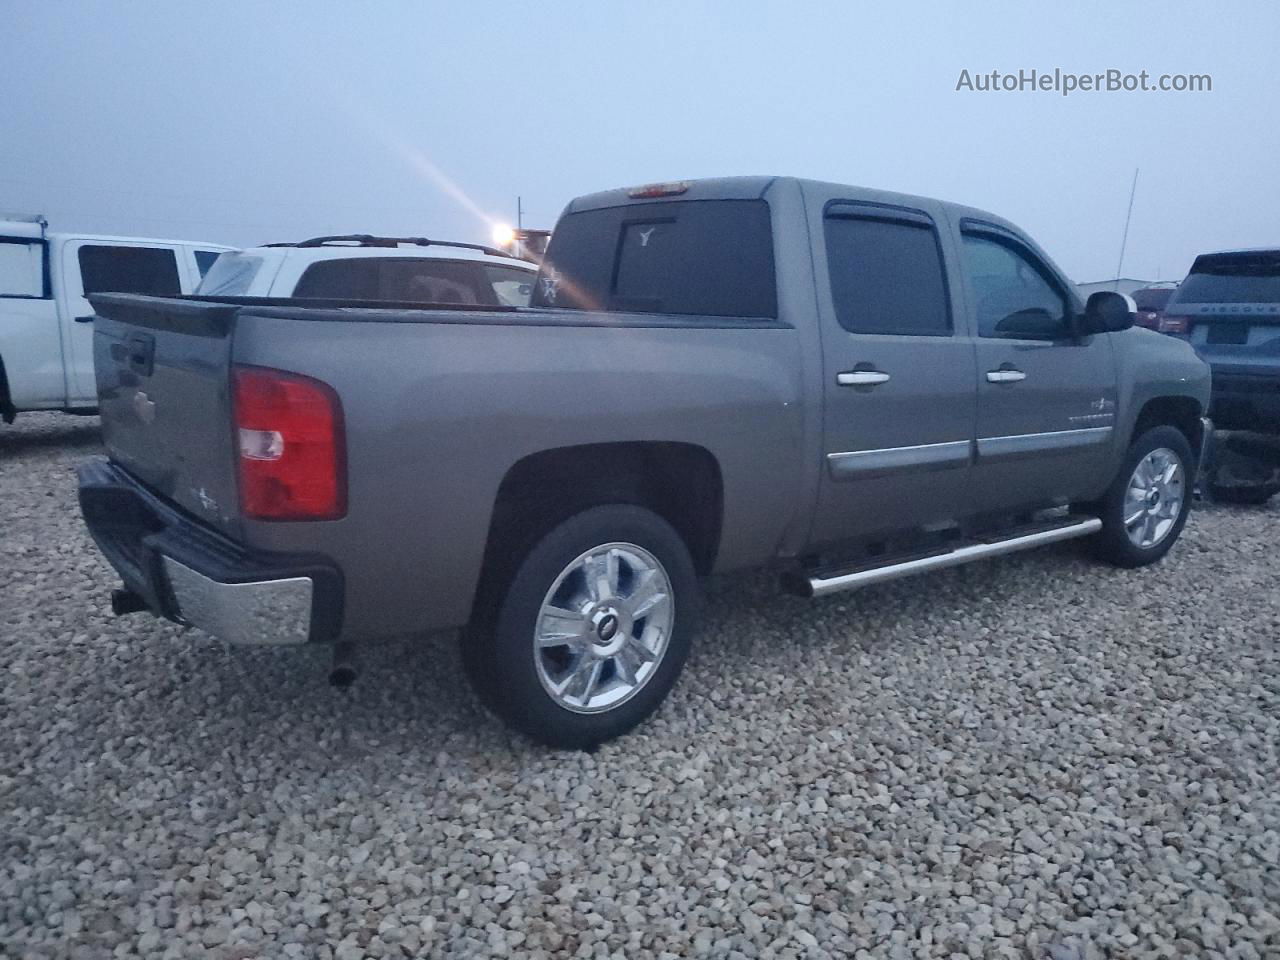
<point>1032,757</point>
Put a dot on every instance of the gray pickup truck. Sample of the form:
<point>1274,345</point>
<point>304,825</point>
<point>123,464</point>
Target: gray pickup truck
<point>842,384</point>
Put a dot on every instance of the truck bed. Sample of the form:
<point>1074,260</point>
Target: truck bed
<point>439,405</point>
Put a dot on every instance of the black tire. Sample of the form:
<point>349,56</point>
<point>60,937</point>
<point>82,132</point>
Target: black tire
<point>1112,543</point>
<point>1244,495</point>
<point>499,651</point>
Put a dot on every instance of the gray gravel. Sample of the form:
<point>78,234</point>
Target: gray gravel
<point>1033,757</point>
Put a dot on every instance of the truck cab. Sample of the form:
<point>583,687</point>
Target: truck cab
<point>46,323</point>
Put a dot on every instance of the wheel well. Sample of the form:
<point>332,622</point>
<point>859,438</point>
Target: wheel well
<point>1182,413</point>
<point>7,411</point>
<point>678,481</point>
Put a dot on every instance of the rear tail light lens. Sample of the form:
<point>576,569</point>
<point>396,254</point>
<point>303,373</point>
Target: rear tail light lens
<point>1175,324</point>
<point>292,450</point>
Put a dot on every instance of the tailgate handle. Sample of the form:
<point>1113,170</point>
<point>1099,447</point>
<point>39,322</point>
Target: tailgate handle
<point>140,353</point>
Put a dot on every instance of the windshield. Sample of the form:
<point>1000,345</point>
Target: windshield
<point>230,276</point>
<point>1233,278</point>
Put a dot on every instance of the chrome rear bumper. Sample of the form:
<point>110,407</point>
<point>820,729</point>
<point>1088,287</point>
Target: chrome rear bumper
<point>276,612</point>
<point>183,570</point>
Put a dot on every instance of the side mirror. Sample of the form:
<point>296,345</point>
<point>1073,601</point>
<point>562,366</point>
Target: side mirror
<point>1107,312</point>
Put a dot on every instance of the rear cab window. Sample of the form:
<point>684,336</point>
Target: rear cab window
<point>710,258</point>
<point>148,270</point>
<point>1152,298</point>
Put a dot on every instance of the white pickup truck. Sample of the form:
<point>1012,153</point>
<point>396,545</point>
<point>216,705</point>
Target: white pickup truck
<point>46,328</point>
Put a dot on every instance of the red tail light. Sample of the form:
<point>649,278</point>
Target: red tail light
<point>1175,324</point>
<point>292,456</point>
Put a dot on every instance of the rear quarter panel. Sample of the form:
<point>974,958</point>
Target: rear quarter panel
<point>436,413</point>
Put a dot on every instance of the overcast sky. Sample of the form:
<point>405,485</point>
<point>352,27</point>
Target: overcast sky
<point>249,122</point>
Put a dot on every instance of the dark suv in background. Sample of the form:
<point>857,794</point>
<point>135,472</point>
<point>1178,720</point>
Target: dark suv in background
<point>1150,303</point>
<point>1228,308</point>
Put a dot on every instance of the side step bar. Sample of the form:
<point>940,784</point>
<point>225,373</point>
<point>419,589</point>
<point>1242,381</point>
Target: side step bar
<point>819,585</point>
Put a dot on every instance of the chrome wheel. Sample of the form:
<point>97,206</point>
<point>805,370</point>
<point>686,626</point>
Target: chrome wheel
<point>603,627</point>
<point>1153,499</point>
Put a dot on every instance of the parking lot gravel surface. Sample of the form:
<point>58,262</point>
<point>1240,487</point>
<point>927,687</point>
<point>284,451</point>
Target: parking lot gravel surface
<point>1032,757</point>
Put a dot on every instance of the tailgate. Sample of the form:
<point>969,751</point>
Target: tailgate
<point>1242,338</point>
<point>163,373</point>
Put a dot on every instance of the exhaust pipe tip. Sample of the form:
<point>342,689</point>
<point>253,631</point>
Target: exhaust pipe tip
<point>343,673</point>
<point>125,602</point>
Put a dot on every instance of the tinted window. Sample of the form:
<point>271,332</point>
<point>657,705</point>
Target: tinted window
<point>1233,278</point>
<point>1014,297</point>
<point>205,260</point>
<point>21,268</point>
<point>412,279</point>
<point>231,276</point>
<point>699,257</point>
<point>886,277</point>
<point>1152,298</point>
<point>149,270</point>
<point>512,287</point>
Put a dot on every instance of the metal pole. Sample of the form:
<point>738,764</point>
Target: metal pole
<point>1125,239</point>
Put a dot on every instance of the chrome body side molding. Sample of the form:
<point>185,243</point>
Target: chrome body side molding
<point>1038,444</point>
<point>862,464</point>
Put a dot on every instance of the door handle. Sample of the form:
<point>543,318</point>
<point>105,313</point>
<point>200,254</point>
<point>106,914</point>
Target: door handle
<point>88,319</point>
<point>1005,376</point>
<point>861,378</point>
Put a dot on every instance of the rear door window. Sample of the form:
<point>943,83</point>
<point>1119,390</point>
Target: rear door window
<point>887,276</point>
<point>149,270</point>
<point>695,257</point>
<point>1233,278</point>
<point>22,268</point>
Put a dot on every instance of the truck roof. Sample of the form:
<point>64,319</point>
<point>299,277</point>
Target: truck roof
<point>755,187</point>
<point>108,238</point>
<point>437,251</point>
<point>1238,251</point>
<point>36,227</point>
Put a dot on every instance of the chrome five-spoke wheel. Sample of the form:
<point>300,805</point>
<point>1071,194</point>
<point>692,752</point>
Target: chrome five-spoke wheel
<point>603,627</point>
<point>1153,500</point>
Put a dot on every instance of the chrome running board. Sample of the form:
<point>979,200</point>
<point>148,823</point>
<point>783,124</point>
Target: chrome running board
<point>819,585</point>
